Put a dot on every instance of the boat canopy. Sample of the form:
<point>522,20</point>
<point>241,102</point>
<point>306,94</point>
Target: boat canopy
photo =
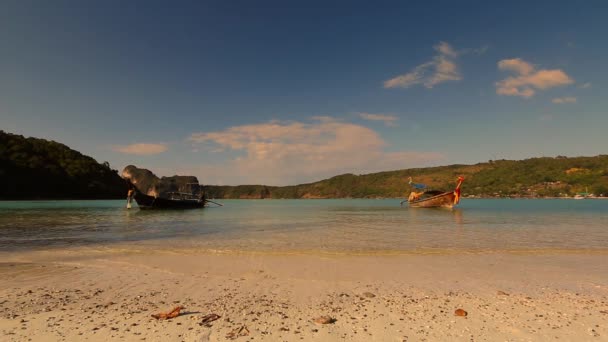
<point>148,183</point>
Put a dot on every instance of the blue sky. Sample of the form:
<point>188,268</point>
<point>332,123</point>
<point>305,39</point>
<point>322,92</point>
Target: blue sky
<point>290,92</point>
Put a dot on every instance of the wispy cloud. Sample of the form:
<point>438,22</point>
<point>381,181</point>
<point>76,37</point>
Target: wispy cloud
<point>446,50</point>
<point>586,85</point>
<point>141,148</point>
<point>279,153</point>
<point>528,79</point>
<point>562,100</point>
<point>476,51</point>
<point>441,68</point>
<point>389,120</point>
<point>516,64</point>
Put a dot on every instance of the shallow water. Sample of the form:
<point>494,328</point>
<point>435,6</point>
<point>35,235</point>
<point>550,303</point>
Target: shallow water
<point>316,226</point>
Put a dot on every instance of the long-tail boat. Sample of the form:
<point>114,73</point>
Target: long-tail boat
<point>175,200</point>
<point>436,199</point>
<point>151,192</point>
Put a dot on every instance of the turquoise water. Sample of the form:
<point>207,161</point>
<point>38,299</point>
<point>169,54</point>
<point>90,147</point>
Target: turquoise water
<point>325,226</point>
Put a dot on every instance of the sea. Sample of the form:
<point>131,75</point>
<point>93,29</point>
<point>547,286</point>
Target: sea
<point>318,226</point>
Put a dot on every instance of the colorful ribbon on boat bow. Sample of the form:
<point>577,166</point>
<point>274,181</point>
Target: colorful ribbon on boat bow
<point>457,190</point>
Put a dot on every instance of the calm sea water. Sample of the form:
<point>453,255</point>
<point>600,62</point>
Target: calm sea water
<point>317,226</point>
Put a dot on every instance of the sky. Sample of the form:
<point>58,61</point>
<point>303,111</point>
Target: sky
<point>289,92</point>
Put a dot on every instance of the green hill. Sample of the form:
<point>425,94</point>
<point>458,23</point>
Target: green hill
<point>32,168</point>
<point>535,177</point>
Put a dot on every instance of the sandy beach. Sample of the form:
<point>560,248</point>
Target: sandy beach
<point>99,295</point>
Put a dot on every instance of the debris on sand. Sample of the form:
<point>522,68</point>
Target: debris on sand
<point>502,293</point>
<point>324,320</point>
<point>209,318</point>
<point>460,312</point>
<point>241,331</point>
<point>172,314</point>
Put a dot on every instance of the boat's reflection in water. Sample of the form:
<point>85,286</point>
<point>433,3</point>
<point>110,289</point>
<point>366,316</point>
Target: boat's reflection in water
<point>438,214</point>
<point>458,216</point>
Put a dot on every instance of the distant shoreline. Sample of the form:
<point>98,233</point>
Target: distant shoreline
<point>75,176</point>
<point>305,199</point>
<point>58,199</point>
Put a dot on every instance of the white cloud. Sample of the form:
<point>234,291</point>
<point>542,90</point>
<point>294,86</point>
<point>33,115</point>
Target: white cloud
<point>516,64</point>
<point>528,79</point>
<point>562,100</point>
<point>279,153</point>
<point>389,120</point>
<point>141,148</point>
<point>441,68</point>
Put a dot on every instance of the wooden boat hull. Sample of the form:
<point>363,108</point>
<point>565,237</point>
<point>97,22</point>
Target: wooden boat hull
<point>444,200</point>
<point>150,202</point>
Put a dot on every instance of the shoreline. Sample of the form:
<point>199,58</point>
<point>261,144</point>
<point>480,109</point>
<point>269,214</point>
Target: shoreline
<point>172,247</point>
<point>301,198</point>
<point>74,295</point>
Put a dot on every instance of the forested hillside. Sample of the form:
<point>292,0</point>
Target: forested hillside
<point>32,168</point>
<point>535,177</point>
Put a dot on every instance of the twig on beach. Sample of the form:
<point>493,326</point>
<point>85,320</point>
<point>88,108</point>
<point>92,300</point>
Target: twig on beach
<point>209,318</point>
<point>241,331</point>
<point>172,314</point>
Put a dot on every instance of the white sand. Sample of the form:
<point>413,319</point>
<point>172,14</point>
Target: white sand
<point>97,295</point>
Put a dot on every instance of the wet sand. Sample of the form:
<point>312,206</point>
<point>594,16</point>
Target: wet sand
<point>99,295</point>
